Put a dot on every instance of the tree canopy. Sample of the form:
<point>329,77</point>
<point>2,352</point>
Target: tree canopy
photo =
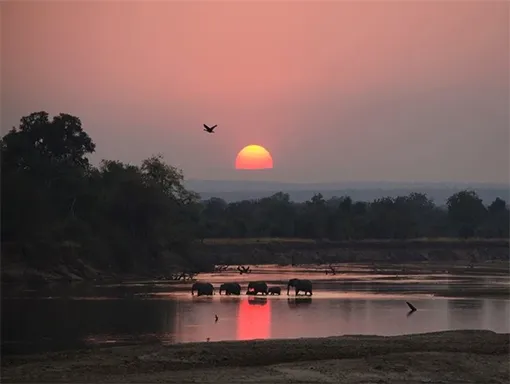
<point>339,218</point>
<point>128,217</point>
<point>117,214</point>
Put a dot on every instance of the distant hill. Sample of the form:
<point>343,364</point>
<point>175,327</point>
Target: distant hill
<point>235,190</point>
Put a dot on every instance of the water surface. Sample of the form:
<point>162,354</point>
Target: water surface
<point>45,319</point>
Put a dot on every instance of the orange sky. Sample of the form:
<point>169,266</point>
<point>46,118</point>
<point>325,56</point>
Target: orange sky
<point>402,91</point>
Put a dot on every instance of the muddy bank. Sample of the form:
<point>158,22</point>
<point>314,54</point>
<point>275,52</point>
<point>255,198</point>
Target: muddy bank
<point>301,251</point>
<point>463,356</point>
<point>278,251</point>
<point>20,272</point>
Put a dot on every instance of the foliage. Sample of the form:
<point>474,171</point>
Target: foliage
<point>131,218</point>
<point>339,218</point>
<point>119,215</point>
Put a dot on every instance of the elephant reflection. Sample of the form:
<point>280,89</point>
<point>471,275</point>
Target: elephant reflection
<point>202,289</point>
<point>255,287</point>
<point>297,302</point>
<point>257,300</point>
<point>300,286</point>
<point>229,299</point>
<point>230,288</point>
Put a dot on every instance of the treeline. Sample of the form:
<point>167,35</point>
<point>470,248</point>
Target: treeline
<point>340,218</point>
<point>57,206</point>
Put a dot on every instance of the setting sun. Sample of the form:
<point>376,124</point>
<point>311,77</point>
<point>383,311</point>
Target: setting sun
<point>254,157</point>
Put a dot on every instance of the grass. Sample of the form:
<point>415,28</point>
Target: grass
<point>419,241</point>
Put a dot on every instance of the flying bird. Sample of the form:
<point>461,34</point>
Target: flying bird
<point>209,129</point>
<point>216,318</point>
<point>411,307</point>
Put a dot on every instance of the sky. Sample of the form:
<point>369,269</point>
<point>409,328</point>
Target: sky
<point>403,91</point>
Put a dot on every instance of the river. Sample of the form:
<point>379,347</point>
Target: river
<point>354,302</point>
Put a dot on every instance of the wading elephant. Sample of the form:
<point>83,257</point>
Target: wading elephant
<point>274,291</point>
<point>255,287</point>
<point>230,288</point>
<point>202,289</point>
<point>300,286</point>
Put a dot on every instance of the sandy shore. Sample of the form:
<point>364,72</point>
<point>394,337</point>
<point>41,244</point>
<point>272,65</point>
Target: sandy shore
<point>442,357</point>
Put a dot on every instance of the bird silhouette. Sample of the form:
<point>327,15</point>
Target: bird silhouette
<point>216,318</point>
<point>411,307</point>
<point>209,129</point>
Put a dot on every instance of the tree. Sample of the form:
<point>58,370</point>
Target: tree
<point>43,169</point>
<point>169,179</point>
<point>497,223</point>
<point>466,209</point>
<point>497,206</point>
<point>43,145</point>
<point>117,214</point>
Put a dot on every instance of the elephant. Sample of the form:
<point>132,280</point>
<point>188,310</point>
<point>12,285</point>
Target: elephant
<point>274,291</point>
<point>255,287</point>
<point>230,288</point>
<point>202,289</point>
<point>300,285</point>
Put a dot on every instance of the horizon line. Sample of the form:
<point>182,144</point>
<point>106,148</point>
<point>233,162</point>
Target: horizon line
<point>392,182</point>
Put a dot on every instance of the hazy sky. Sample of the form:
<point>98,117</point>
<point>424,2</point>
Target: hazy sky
<point>336,91</point>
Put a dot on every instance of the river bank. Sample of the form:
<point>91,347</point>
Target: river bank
<point>308,251</point>
<point>481,252</point>
<point>440,357</point>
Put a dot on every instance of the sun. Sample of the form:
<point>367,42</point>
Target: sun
<point>254,157</point>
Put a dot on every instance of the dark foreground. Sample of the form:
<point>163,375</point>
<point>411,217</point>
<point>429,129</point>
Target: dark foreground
<point>442,357</point>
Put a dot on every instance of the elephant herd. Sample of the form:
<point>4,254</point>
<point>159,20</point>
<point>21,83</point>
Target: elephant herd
<point>254,287</point>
